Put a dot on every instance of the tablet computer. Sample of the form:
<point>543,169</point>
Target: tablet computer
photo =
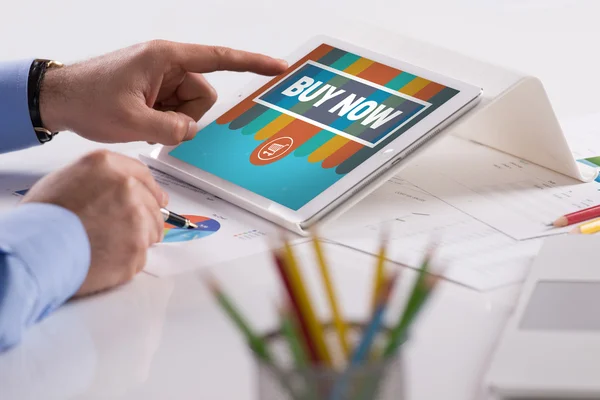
<point>296,147</point>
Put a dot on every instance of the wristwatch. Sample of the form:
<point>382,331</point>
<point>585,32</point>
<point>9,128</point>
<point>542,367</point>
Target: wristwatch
<point>37,71</point>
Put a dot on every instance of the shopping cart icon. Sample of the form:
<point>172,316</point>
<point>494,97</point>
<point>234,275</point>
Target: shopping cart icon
<point>275,148</point>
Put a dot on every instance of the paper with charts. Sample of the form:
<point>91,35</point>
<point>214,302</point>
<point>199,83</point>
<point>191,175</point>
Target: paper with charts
<point>224,231</point>
<point>489,210</point>
<point>509,194</point>
<point>471,252</point>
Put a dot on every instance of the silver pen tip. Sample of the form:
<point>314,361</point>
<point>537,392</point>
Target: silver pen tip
<point>192,225</point>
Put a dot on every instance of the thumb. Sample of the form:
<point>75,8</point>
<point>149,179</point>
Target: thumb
<point>167,127</point>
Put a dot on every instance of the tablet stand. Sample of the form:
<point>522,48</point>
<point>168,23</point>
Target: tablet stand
<point>514,116</point>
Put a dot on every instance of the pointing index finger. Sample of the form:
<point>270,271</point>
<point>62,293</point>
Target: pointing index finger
<point>200,59</point>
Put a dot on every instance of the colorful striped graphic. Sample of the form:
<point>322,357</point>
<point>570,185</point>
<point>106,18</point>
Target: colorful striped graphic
<point>287,124</point>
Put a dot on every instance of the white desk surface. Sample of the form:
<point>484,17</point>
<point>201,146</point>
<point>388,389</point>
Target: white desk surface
<point>165,338</point>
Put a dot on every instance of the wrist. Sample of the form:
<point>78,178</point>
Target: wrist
<point>53,100</point>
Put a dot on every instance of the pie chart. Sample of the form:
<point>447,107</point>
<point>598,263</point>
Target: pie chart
<point>206,227</point>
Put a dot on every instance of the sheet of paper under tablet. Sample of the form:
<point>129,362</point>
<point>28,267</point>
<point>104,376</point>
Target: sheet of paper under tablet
<point>471,252</point>
<point>511,195</point>
<point>225,232</point>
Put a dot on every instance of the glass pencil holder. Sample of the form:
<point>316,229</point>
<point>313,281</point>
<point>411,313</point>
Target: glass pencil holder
<point>376,379</point>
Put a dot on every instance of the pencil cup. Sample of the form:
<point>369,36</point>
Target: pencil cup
<point>380,379</point>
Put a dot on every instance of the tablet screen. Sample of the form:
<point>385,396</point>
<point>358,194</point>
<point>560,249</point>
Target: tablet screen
<point>306,129</point>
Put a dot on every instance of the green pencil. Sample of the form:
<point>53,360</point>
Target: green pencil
<point>420,292</point>
<point>256,343</point>
<point>290,333</point>
<point>288,328</point>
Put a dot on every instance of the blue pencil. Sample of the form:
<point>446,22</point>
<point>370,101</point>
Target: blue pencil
<point>371,331</point>
<point>362,350</point>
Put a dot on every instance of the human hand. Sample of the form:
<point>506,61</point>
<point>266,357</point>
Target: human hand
<point>118,202</point>
<point>151,92</point>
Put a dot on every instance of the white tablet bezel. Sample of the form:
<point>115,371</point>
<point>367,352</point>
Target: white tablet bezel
<point>241,196</point>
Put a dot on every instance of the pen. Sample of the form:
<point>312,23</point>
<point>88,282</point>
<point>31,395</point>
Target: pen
<point>177,220</point>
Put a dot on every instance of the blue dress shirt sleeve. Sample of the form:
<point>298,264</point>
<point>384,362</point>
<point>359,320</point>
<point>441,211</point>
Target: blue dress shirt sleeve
<point>16,130</point>
<point>44,249</point>
<point>44,259</point>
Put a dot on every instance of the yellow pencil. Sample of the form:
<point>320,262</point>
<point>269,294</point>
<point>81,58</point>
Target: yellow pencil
<point>379,276</point>
<point>589,227</point>
<point>315,328</point>
<point>340,326</point>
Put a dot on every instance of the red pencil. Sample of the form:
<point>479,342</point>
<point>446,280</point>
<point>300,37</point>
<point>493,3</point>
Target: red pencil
<point>310,345</point>
<point>577,216</point>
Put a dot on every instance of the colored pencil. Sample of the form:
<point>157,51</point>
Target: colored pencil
<point>588,228</point>
<point>293,301</point>
<point>360,354</point>
<point>577,217</point>
<point>306,308</point>
<point>256,342</point>
<point>288,328</point>
<point>419,294</point>
<point>304,334</point>
<point>379,276</point>
<point>339,324</point>
<point>290,333</point>
<point>374,326</point>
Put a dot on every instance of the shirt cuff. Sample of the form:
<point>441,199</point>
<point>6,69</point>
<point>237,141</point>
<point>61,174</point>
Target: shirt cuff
<point>53,246</point>
<point>16,129</point>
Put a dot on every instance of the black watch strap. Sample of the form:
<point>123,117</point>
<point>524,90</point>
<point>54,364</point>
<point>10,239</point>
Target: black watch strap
<point>34,85</point>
